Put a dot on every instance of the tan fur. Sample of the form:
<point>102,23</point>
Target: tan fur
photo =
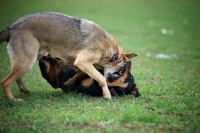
<point>134,91</point>
<point>87,82</point>
<point>62,36</point>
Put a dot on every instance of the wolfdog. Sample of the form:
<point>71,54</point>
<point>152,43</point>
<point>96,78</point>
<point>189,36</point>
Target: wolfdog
<point>62,36</point>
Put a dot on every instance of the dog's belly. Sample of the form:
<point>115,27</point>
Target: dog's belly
<point>57,52</point>
<point>62,54</point>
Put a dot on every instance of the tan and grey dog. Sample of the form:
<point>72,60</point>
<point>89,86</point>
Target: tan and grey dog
<point>65,37</point>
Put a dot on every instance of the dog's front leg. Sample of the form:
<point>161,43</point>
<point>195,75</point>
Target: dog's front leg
<point>88,68</point>
<point>121,84</point>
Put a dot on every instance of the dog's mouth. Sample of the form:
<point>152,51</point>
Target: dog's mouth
<point>120,91</point>
<point>114,76</point>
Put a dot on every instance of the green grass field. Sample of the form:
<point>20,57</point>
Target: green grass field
<point>170,88</point>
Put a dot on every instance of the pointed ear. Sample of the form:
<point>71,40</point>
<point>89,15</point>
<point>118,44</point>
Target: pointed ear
<point>129,56</point>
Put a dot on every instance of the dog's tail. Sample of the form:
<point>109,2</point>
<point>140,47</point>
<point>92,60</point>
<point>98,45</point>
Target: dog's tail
<point>5,35</point>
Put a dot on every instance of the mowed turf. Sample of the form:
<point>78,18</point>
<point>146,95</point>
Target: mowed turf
<point>170,85</point>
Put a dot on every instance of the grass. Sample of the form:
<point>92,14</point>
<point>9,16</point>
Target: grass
<point>170,99</point>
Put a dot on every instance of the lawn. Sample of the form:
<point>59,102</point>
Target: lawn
<point>166,36</point>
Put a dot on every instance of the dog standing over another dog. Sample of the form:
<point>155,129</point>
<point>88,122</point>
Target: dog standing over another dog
<point>62,36</point>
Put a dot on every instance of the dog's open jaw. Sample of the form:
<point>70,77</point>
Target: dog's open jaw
<point>112,69</point>
<point>113,76</point>
<point>118,78</point>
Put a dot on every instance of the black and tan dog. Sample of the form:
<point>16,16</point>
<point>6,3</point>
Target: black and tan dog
<point>62,36</point>
<point>57,73</point>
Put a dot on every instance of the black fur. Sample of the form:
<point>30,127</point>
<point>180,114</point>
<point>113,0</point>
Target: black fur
<point>93,89</point>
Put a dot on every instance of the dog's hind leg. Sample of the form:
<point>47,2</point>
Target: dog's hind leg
<point>83,62</point>
<point>7,83</point>
<point>22,49</point>
<point>21,86</point>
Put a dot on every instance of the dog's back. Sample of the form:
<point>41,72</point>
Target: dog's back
<point>57,27</point>
<point>61,29</point>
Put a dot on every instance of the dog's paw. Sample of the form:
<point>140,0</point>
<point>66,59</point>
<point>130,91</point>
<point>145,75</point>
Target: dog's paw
<point>107,95</point>
<point>25,91</point>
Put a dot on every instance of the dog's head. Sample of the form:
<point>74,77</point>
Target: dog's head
<point>117,61</point>
<point>53,69</point>
<point>125,75</point>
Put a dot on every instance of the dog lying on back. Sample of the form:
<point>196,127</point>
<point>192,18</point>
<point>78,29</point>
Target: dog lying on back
<point>57,73</point>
